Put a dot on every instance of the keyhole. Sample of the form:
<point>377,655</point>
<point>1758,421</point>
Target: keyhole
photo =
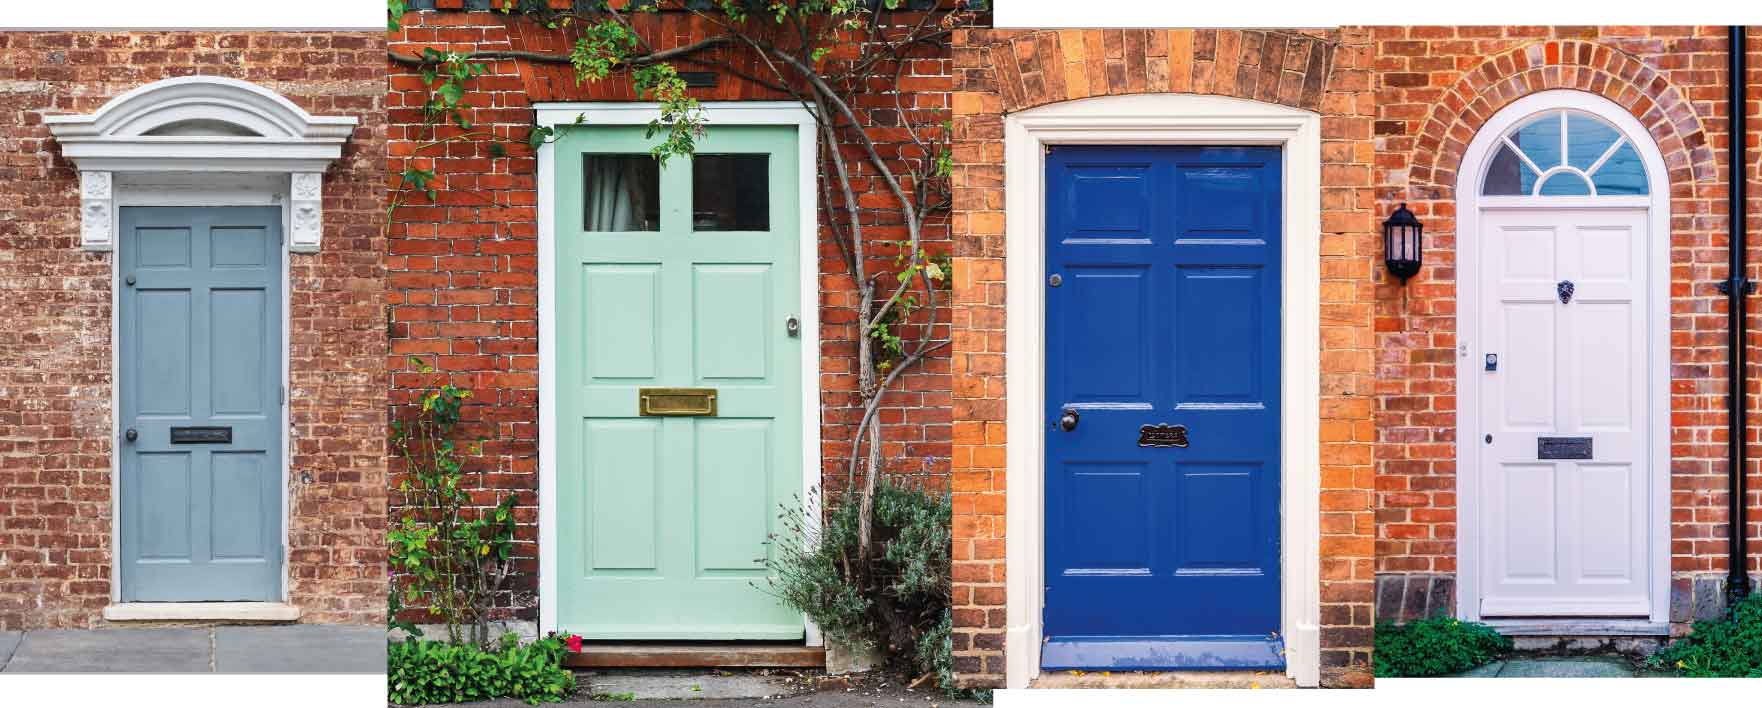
<point>1489,438</point>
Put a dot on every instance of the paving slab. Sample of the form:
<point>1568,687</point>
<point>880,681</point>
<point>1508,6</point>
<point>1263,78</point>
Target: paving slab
<point>8,644</point>
<point>137,651</point>
<point>680,685</point>
<point>300,649</point>
<point>1568,667</point>
<point>1490,670</point>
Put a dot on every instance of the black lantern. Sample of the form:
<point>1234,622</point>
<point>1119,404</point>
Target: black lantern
<point>1401,243</point>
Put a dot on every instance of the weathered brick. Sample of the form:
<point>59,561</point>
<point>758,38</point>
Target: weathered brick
<point>55,360</point>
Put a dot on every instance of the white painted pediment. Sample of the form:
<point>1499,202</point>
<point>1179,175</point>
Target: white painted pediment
<point>201,124</point>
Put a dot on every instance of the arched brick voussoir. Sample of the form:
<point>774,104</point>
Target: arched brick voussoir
<point>1480,92</point>
<point>1037,68</point>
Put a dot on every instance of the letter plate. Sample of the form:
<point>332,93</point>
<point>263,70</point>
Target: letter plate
<point>677,401</point>
<point>1563,448</point>
<point>202,435</point>
<point>1162,435</point>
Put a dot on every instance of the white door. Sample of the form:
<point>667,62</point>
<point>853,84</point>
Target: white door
<point>1564,472</point>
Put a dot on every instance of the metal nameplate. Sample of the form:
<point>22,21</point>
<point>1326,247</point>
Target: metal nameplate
<point>676,401</point>
<point>202,435</point>
<point>1162,435</point>
<point>1563,448</point>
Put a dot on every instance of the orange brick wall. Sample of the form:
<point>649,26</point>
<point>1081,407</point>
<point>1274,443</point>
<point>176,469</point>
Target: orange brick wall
<point>1435,86</point>
<point>1001,71</point>
<point>55,382</point>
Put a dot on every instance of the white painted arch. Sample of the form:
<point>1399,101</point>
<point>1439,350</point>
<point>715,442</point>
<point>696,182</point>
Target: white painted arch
<point>1164,119</point>
<point>1470,205</point>
<point>201,125</point>
<point>201,141</point>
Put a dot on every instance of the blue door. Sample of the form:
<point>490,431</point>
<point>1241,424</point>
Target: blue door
<point>199,325</point>
<point>1162,401</point>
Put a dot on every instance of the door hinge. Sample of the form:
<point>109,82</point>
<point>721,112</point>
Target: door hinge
<point>284,395</point>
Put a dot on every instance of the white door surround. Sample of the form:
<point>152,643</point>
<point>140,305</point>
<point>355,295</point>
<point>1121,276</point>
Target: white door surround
<point>1163,119</point>
<point>201,141</point>
<point>1477,215</point>
<point>562,115</point>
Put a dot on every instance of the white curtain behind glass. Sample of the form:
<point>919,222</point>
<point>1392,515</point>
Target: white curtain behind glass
<point>616,194</point>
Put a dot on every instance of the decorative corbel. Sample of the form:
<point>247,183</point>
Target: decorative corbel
<point>97,206</point>
<point>306,212</point>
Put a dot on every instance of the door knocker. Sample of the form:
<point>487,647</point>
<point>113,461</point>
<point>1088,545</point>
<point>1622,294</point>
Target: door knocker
<point>1564,288</point>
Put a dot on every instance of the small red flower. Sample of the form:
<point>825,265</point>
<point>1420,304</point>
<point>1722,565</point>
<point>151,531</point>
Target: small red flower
<point>573,641</point>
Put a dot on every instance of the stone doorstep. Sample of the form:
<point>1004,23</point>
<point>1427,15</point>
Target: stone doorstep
<point>202,612</point>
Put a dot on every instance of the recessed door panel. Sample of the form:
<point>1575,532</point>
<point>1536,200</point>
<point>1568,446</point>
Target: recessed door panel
<point>1116,349</point>
<point>1217,357</point>
<point>623,493</point>
<point>621,310</point>
<point>1107,518</point>
<point>734,495</point>
<point>732,316</point>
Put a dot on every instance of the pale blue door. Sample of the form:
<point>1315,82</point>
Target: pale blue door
<point>199,329</point>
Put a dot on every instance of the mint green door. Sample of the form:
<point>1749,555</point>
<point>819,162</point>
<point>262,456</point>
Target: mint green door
<point>685,275</point>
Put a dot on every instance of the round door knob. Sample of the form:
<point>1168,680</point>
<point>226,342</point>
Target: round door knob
<point>1068,421</point>
<point>131,435</point>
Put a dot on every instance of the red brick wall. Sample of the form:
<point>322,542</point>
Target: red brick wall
<point>1435,86</point>
<point>464,268</point>
<point>55,383</point>
<point>999,71</point>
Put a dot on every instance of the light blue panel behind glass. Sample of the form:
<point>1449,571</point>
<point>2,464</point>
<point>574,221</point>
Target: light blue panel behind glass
<point>1586,140</point>
<point>1622,173</point>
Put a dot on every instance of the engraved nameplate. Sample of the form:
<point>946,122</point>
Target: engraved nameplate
<point>1162,435</point>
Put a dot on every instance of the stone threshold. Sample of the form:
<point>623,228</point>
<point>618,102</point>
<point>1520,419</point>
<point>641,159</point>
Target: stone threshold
<point>1161,679</point>
<point>202,612</point>
<point>1579,627</point>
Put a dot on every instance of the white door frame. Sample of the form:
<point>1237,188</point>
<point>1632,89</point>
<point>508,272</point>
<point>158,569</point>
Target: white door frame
<point>1164,119</point>
<point>201,141</point>
<point>561,115</point>
<point>1469,203</point>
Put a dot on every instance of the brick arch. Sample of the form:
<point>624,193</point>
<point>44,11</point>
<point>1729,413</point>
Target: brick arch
<point>1031,69</point>
<point>1458,115</point>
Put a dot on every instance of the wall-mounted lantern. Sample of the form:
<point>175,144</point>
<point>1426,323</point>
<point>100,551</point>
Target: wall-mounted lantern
<point>1401,243</point>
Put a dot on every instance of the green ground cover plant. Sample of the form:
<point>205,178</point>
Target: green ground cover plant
<point>1435,646</point>
<point>422,671</point>
<point>1729,647</point>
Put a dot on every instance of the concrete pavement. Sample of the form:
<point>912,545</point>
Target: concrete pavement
<point>299,648</point>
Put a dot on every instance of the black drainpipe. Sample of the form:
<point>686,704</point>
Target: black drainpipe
<point>1737,584</point>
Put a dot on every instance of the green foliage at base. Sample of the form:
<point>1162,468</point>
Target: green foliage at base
<point>1730,647</point>
<point>899,601</point>
<point>1435,646</point>
<point>936,655</point>
<point>421,672</point>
